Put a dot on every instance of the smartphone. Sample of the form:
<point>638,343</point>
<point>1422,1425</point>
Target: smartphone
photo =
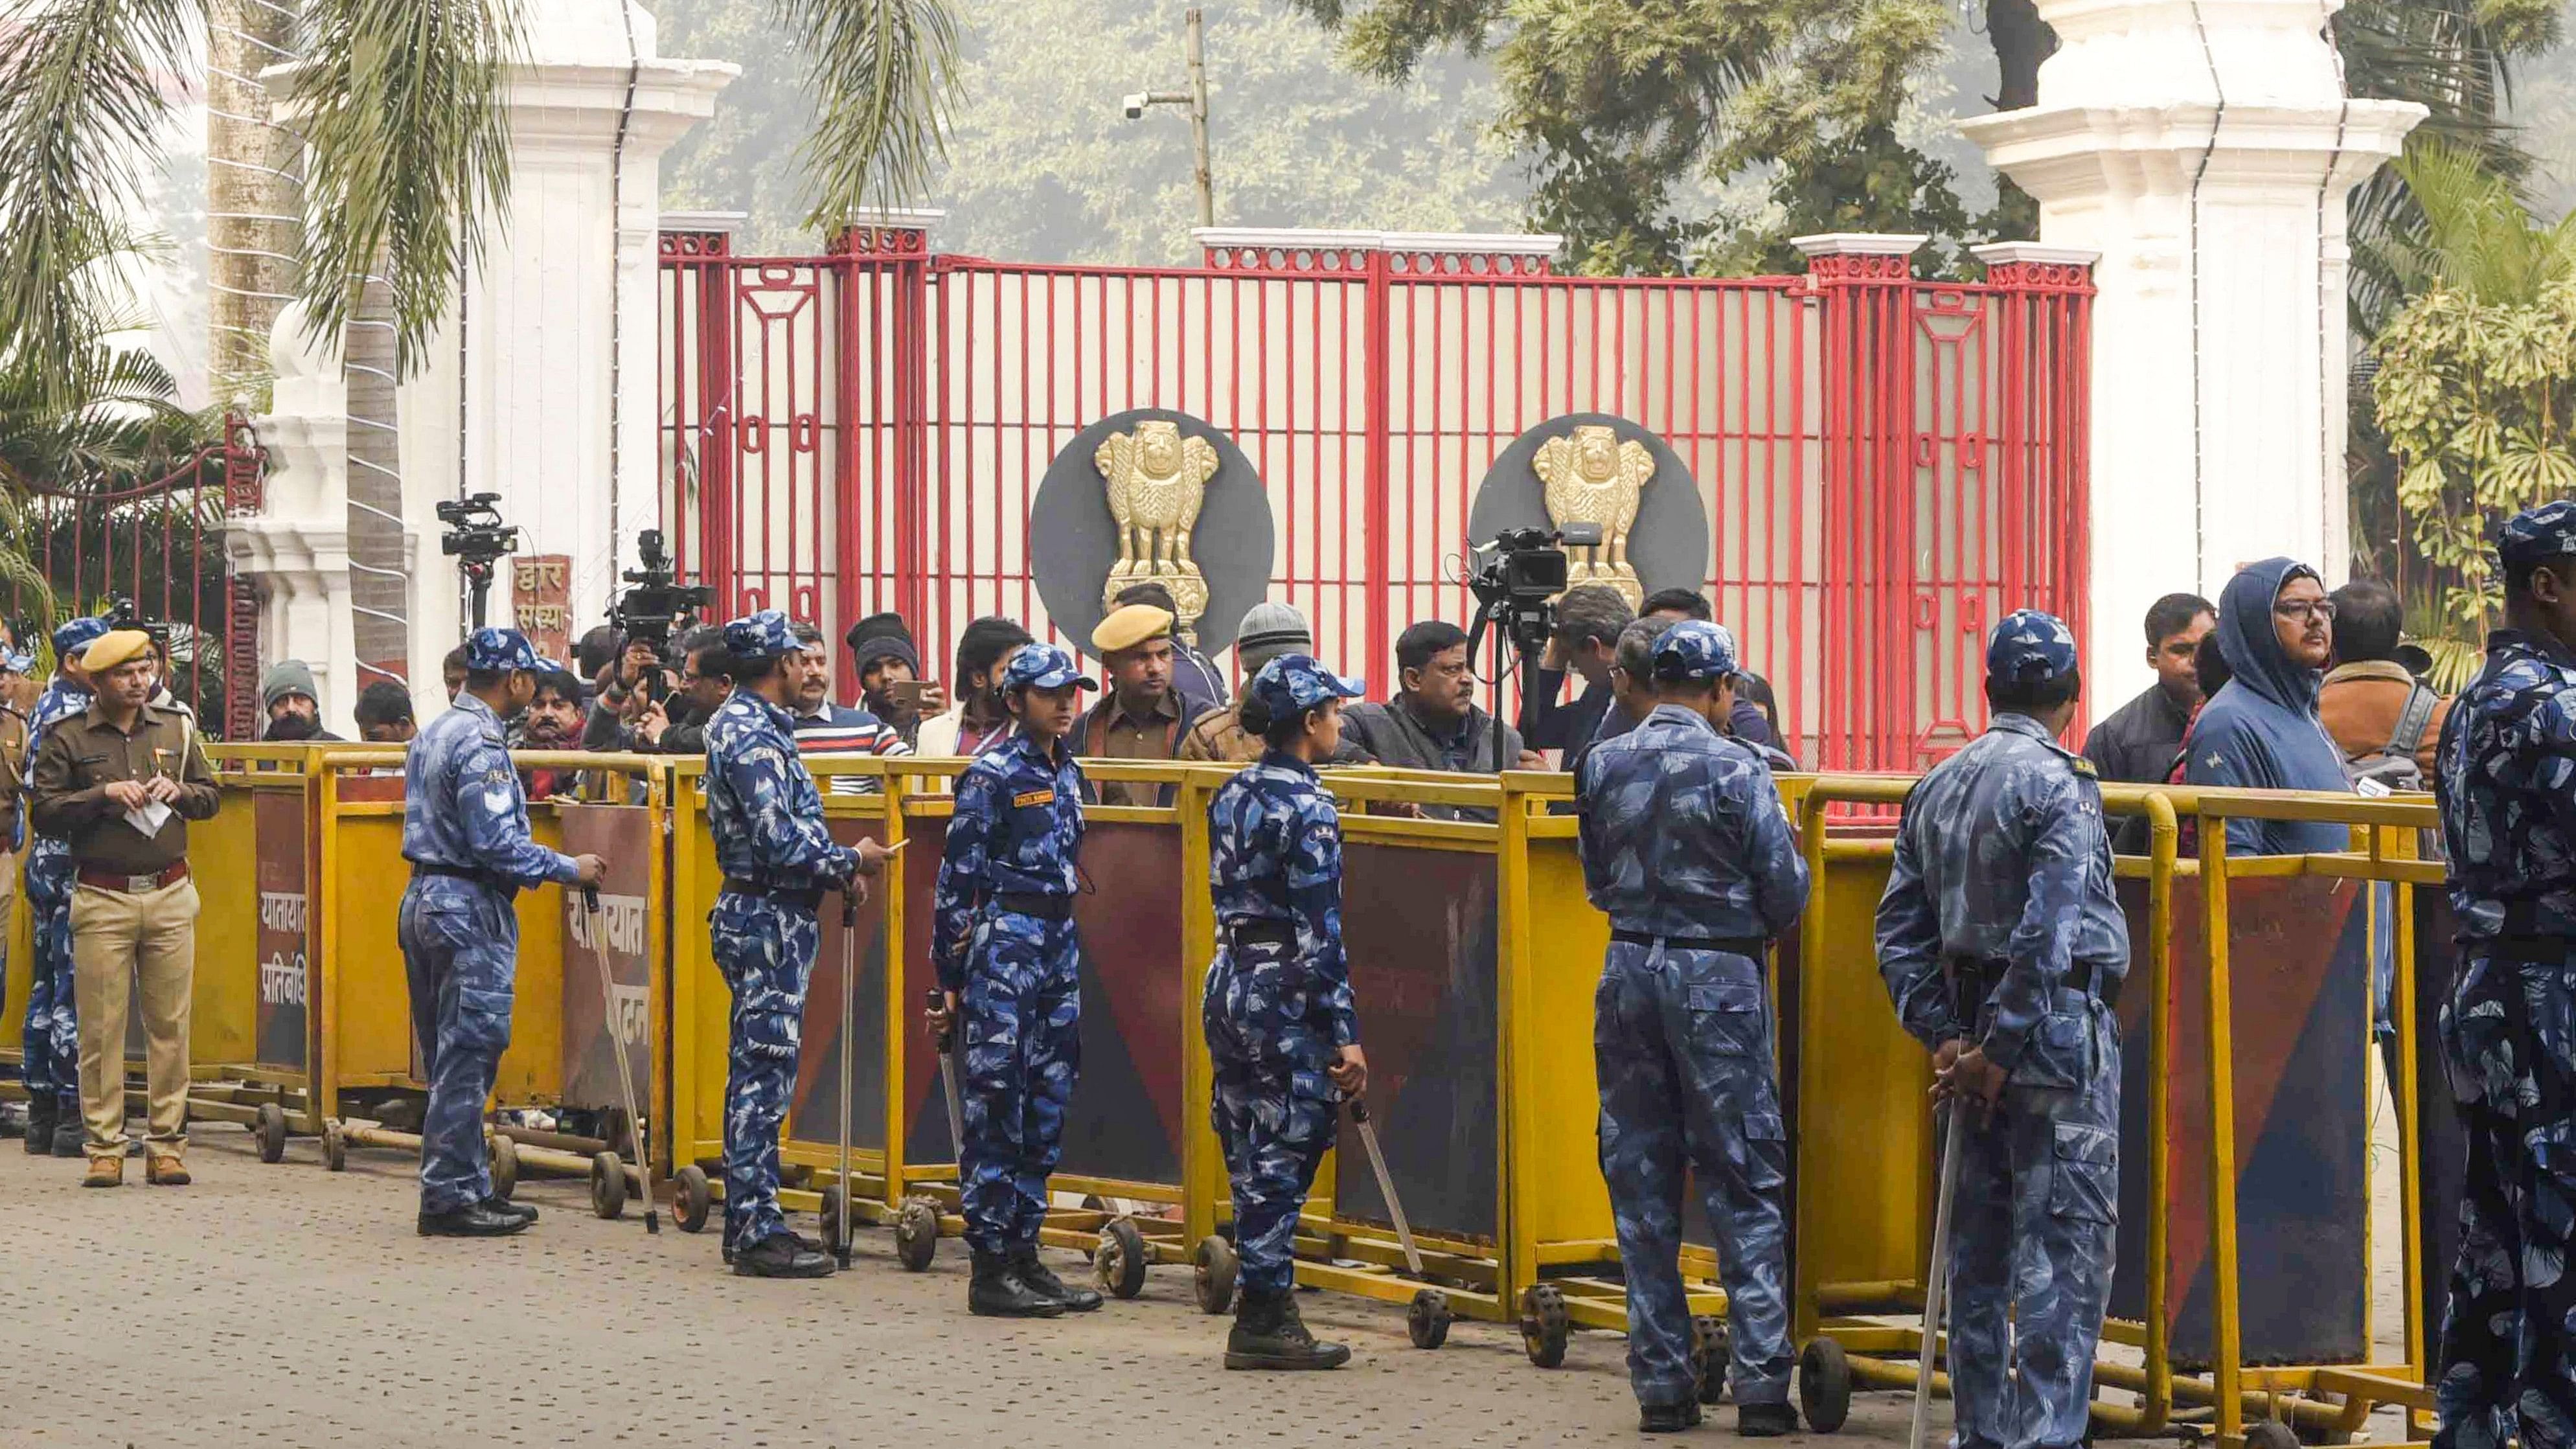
<point>909,691</point>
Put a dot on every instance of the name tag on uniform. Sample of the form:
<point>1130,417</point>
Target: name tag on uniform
<point>1032,798</point>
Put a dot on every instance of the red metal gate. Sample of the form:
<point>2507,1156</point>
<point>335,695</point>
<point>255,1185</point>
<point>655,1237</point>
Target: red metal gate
<point>1887,464</point>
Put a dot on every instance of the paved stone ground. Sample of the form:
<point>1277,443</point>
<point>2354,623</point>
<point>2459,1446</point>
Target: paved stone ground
<point>290,1306</point>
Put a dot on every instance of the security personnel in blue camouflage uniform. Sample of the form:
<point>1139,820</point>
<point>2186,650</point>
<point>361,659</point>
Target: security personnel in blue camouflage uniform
<point>1687,850</point>
<point>1002,937</point>
<point>778,860</point>
<point>465,832</point>
<point>2507,781</point>
<point>2003,950</point>
<point>52,1039</point>
<point>1281,1031</point>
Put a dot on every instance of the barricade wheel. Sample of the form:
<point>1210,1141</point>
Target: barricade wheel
<point>1824,1385</point>
<point>1212,1270</point>
<point>690,1199</point>
<point>335,1147</point>
<point>608,1186</point>
<point>1710,1356</point>
<point>505,1167</point>
<point>1119,1261</point>
<point>1427,1320</point>
<point>2270,1434</point>
<point>270,1127</point>
<point>835,1242</point>
<point>1544,1325</point>
<point>916,1234</point>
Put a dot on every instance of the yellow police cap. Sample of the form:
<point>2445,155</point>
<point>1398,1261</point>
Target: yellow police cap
<point>113,648</point>
<point>1128,627</point>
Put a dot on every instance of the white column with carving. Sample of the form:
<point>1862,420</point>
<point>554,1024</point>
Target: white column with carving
<point>2205,151</point>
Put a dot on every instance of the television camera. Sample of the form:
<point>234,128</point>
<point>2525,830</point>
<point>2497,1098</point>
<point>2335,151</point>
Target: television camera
<point>477,539</point>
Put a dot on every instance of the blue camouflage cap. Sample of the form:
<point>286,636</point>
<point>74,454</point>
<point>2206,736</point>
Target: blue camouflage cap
<point>2538,535</point>
<point>2030,647</point>
<point>764,635</point>
<point>1292,684</point>
<point>1044,666</point>
<point>487,650</point>
<point>17,662</point>
<point>1695,649</point>
<point>73,636</point>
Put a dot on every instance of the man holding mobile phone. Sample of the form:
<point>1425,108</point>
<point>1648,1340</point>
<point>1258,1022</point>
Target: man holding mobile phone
<point>890,682</point>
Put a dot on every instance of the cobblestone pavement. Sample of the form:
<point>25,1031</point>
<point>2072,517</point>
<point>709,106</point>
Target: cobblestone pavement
<point>290,1306</point>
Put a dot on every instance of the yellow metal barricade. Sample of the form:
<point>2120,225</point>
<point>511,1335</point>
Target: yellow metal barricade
<point>371,1088</point>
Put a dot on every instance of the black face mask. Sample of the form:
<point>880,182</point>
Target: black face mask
<point>294,727</point>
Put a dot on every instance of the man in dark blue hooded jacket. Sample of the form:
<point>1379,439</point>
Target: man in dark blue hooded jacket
<point>2276,627</point>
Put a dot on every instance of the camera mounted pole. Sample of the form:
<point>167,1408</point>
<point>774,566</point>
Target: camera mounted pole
<point>478,540</point>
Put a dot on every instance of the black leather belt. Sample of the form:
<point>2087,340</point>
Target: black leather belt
<point>807,897</point>
<point>483,878</point>
<point>1749,946</point>
<point>2079,976</point>
<point>1261,931</point>
<point>1030,903</point>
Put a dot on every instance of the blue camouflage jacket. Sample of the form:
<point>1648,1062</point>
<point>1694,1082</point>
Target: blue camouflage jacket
<point>2003,857</point>
<point>1275,854</point>
<point>61,700</point>
<point>1683,835</point>
<point>2507,778</point>
<point>761,802</point>
<point>463,807</point>
<point>1017,830</point>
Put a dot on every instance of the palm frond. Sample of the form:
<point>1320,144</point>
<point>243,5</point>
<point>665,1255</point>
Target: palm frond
<point>885,80</point>
<point>80,100</point>
<point>402,108</point>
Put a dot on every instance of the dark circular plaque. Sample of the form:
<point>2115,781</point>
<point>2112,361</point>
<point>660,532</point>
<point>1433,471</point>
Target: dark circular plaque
<point>1073,537</point>
<point>1668,546</point>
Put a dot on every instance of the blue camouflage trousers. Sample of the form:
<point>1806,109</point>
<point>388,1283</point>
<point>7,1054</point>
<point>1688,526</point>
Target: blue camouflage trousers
<point>52,1039</point>
<point>2509,1035</point>
<point>2031,1239</point>
<point>1681,1045</point>
<point>460,945</point>
<point>765,950</point>
<point>1022,1013</point>
<point>1273,1106</point>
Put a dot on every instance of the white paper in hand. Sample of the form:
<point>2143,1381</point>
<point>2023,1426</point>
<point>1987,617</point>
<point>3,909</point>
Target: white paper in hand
<point>150,818</point>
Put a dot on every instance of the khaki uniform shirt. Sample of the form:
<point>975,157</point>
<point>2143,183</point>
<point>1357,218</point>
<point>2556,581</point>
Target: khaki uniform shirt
<point>1110,733</point>
<point>85,754</point>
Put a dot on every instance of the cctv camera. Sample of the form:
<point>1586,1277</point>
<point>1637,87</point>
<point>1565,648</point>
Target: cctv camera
<point>1135,105</point>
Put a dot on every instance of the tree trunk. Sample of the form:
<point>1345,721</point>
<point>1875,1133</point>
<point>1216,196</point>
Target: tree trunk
<point>379,589</point>
<point>2021,40</point>
<point>253,171</point>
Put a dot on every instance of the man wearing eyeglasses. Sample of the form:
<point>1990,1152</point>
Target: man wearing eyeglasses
<point>2261,732</point>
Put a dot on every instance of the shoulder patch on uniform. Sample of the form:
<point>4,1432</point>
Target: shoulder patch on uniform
<point>1028,799</point>
<point>2083,767</point>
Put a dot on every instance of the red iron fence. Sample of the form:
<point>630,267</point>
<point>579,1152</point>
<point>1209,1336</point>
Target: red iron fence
<point>1887,464</point>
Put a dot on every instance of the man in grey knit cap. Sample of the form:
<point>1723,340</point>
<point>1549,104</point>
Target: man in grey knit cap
<point>1268,631</point>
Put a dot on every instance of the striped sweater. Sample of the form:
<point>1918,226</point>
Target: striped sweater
<point>840,730</point>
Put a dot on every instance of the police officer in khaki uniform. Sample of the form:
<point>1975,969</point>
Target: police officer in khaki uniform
<point>118,783</point>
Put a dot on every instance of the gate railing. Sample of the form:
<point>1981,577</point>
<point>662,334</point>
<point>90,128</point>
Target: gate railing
<point>1887,463</point>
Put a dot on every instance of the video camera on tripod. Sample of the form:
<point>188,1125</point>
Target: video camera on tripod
<point>477,539</point>
<point>658,604</point>
<point>1516,589</point>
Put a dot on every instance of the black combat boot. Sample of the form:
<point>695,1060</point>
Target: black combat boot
<point>780,1255</point>
<point>68,1133</point>
<point>1765,1421</point>
<point>40,1124</point>
<point>471,1221</point>
<point>1043,1281</point>
<point>998,1291</point>
<point>505,1208</point>
<point>1669,1418</point>
<point>1268,1334</point>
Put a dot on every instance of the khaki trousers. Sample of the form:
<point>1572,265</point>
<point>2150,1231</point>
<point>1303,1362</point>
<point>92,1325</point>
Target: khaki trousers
<point>119,938</point>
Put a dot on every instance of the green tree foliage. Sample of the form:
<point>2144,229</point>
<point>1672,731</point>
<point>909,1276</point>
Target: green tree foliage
<point>1626,103</point>
<point>1041,166</point>
<point>2476,388</point>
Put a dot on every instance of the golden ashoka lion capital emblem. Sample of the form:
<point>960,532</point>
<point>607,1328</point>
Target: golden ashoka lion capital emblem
<point>1590,476</point>
<point>1157,479</point>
